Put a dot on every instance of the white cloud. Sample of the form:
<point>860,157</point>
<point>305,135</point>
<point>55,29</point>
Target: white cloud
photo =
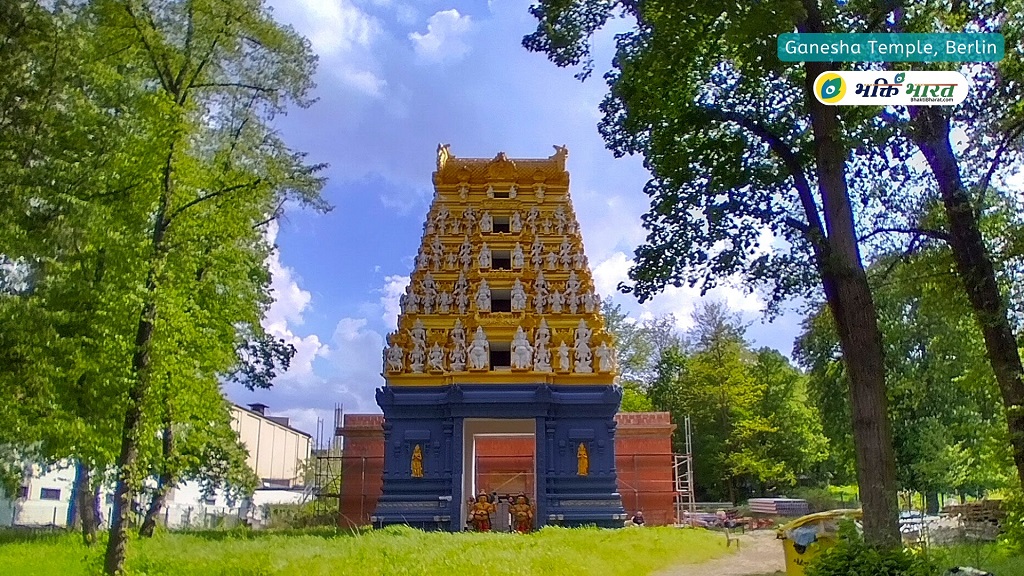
<point>356,357</point>
<point>290,302</point>
<point>336,26</point>
<point>342,35</point>
<point>394,287</point>
<point>680,302</point>
<point>305,419</point>
<point>445,37</point>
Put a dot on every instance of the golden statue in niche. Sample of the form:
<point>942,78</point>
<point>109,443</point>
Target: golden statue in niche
<point>417,462</point>
<point>582,460</point>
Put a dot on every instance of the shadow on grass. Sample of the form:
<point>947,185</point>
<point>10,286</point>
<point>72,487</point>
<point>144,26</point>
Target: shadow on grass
<point>39,535</point>
<point>326,533</point>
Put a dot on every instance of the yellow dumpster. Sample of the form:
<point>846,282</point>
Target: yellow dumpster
<point>808,536</point>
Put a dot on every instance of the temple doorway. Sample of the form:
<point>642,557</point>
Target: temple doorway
<point>502,461</point>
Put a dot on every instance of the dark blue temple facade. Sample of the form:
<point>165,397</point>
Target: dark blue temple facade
<point>564,417</point>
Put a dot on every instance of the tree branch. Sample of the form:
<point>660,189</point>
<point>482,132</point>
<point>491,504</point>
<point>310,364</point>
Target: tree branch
<point>1014,132</point>
<point>813,229</point>
<point>212,195</point>
<point>927,232</point>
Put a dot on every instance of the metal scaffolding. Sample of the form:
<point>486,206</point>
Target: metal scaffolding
<point>683,469</point>
<point>327,467</point>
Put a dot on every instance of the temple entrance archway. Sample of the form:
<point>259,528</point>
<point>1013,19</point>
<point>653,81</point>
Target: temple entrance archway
<point>500,457</point>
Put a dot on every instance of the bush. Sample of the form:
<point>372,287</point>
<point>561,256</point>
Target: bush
<point>1013,525</point>
<point>823,499</point>
<point>852,557</point>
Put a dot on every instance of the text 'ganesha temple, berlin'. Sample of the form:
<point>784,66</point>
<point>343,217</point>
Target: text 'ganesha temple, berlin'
<point>500,337</point>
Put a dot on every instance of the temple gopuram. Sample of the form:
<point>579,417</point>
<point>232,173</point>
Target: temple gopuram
<point>500,338</point>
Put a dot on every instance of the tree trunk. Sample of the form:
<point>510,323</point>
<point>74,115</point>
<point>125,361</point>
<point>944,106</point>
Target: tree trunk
<point>849,299</point>
<point>74,519</point>
<point>128,460</point>
<point>164,483</point>
<point>976,271</point>
<point>85,503</point>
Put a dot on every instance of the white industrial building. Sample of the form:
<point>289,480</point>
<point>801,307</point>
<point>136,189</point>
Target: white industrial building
<point>277,454</point>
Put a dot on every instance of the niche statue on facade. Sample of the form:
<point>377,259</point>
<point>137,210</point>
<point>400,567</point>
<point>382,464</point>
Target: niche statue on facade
<point>457,356</point>
<point>479,350</point>
<point>518,296</point>
<point>583,358</point>
<point>522,352</point>
<point>483,297</point>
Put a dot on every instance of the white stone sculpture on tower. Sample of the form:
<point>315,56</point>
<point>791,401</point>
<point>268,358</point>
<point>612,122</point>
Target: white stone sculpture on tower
<point>418,355</point>
<point>531,219</point>
<point>436,358</point>
<point>537,254</point>
<point>540,293</point>
<point>560,220</point>
<point>541,353</point>
<point>486,223</point>
<point>556,302</point>
<point>522,352</point>
<point>469,219</point>
<point>565,253</point>
<point>563,357</point>
<point>484,259</point>
<point>437,253</point>
<point>479,350</point>
<point>518,260</point>
<point>518,296</point>
<point>441,219</point>
<point>483,297</point>
<point>457,356</point>
<point>461,293</point>
<point>583,355</point>
<point>516,222</point>
<point>579,261</point>
<point>466,253</point>
<point>605,357</point>
<point>395,358</point>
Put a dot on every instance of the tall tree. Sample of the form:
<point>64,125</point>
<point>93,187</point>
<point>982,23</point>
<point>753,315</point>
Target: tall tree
<point>946,414</point>
<point>218,72</point>
<point>994,123</point>
<point>752,428</point>
<point>736,143</point>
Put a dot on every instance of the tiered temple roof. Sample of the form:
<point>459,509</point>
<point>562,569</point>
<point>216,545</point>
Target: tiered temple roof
<point>501,291</point>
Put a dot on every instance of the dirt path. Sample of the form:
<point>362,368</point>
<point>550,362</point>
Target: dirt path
<point>760,553</point>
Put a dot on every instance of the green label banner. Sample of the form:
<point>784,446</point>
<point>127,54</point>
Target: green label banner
<point>799,47</point>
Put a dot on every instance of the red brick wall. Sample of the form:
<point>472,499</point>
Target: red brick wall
<point>362,468</point>
<point>643,461</point>
<point>643,464</point>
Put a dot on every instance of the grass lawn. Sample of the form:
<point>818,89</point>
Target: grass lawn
<point>989,557</point>
<point>395,550</point>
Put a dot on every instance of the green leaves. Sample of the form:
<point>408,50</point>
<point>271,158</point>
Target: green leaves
<point>752,427</point>
<point>142,166</point>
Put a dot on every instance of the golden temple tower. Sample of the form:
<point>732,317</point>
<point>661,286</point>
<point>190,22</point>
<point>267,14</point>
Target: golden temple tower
<point>501,292</point>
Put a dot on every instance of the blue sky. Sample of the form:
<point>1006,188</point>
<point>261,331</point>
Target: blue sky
<point>395,79</point>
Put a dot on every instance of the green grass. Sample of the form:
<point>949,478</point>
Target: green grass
<point>989,557</point>
<point>395,550</point>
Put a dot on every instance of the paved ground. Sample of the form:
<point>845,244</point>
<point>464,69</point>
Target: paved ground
<point>760,553</point>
